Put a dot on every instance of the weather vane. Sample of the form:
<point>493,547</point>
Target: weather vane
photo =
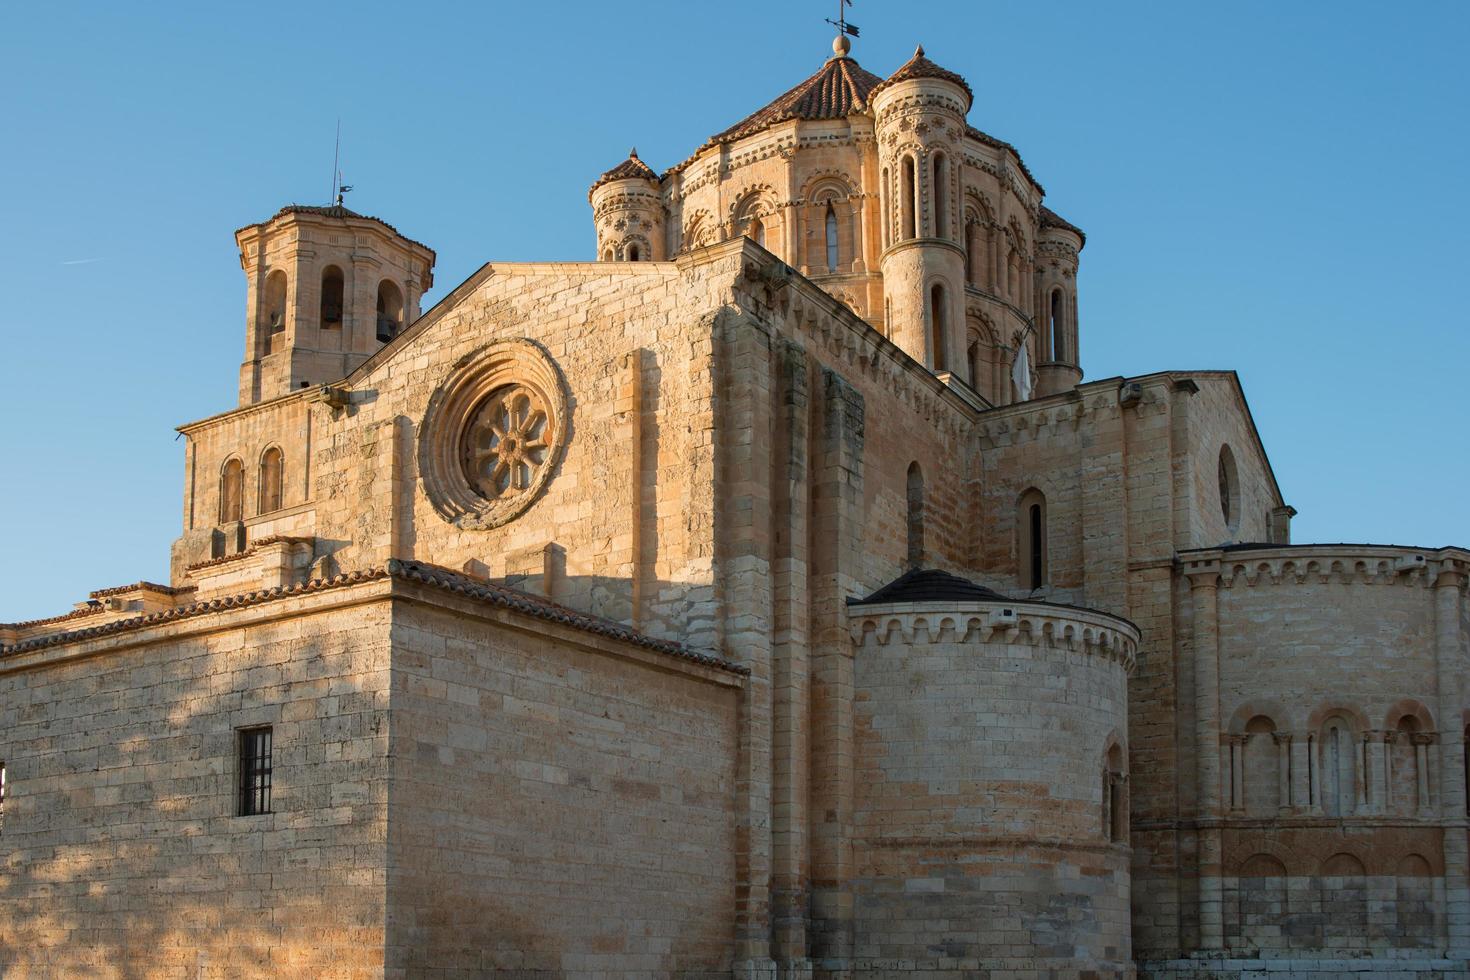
<point>843,27</point>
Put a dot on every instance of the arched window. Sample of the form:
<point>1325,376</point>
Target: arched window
<point>1229,486</point>
<point>831,238</point>
<point>633,254</point>
<point>231,491</point>
<point>757,232</point>
<point>939,328</point>
<point>941,196</point>
<point>1339,758</point>
<point>1058,327</point>
<point>270,480</point>
<point>915,515</point>
<point>273,307</point>
<point>1033,550</point>
<point>974,362</point>
<point>607,254</point>
<point>331,308</point>
<point>972,251</point>
<point>390,310</point>
<point>885,203</point>
<point>908,194</point>
<point>1261,761</point>
<point>1408,789</point>
<point>1115,797</point>
<point>1013,276</point>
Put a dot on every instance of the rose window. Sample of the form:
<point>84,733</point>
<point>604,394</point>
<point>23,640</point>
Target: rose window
<point>505,443</point>
<point>494,433</point>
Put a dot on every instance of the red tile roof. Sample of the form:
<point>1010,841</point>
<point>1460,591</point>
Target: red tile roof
<point>332,211</point>
<point>921,67</point>
<point>1050,219</point>
<point>410,571</point>
<point>839,89</point>
<point>630,169</point>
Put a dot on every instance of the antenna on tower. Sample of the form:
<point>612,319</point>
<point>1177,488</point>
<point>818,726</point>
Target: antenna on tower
<point>336,174</point>
<point>338,188</point>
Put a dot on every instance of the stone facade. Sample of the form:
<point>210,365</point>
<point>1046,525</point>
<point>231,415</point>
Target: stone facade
<point>770,597</point>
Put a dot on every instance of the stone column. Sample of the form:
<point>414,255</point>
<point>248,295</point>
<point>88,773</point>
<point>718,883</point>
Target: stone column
<point>1204,583</point>
<point>858,264</point>
<point>1385,769</point>
<point>836,499</point>
<point>1361,803</point>
<point>1314,768</point>
<point>1422,741</point>
<point>1237,771</point>
<point>1283,766</point>
<point>743,468</point>
<point>1449,652</point>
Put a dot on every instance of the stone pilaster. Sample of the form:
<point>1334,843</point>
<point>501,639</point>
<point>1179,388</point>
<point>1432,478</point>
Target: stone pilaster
<point>1204,582</point>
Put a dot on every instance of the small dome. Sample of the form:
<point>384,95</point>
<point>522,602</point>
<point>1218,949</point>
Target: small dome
<point>1050,219</point>
<point>921,67</point>
<point>630,169</point>
<point>930,585</point>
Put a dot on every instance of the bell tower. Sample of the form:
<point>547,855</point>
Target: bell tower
<point>327,287</point>
<point>1058,244</point>
<point>919,116</point>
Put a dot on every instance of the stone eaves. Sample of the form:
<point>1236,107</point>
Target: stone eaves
<point>402,570</point>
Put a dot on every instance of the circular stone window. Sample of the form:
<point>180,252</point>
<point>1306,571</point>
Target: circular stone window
<point>493,433</point>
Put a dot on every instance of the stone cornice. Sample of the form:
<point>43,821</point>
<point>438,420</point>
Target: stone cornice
<point>1036,624</point>
<point>1268,564</point>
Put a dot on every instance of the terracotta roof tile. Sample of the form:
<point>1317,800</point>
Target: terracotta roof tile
<point>411,571</point>
<point>930,585</point>
<point>332,211</point>
<point>921,67</point>
<point>1050,219</point>
<point>839,89</point>
<point>630,169</point>
<point>1001,144</point>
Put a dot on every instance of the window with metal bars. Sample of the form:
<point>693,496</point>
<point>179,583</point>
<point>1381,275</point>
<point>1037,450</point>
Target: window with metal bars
<point>255,771</point>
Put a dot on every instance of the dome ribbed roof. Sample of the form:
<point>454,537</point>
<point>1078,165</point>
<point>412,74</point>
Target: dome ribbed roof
<point>630,169</point>
<point>836,92</point>
<point>930,585</point>
<point>921,67</point>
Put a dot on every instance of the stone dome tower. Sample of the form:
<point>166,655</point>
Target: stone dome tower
<point>919,117</point>
<point>1057,244</point>
<point>629,213</point>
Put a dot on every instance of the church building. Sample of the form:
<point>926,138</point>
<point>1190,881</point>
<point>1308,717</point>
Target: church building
<point>771,596</point>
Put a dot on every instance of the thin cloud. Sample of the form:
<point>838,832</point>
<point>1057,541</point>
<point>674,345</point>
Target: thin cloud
<point>80,261</point>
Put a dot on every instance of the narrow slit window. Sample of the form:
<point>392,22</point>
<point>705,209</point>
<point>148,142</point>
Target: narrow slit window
<point>909,197</point>
<point>255,771</point>
<point>2,797</point>
<point>831,238</point>
<point>1035,558</point>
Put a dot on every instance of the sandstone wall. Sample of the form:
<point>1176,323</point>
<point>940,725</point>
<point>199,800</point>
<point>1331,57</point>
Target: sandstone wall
<point>981,835</point>
<point>121,853</point>
<point>558,806</point>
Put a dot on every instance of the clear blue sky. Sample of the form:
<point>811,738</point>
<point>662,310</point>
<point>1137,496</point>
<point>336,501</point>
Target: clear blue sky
<point>1275,188</point>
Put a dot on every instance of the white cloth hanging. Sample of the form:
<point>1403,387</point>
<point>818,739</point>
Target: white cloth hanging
<point>1021,372</point>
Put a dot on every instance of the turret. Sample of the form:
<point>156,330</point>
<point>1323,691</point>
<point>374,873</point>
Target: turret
<point>628,213</point>
<point>327,288</point>
<point>919,113</point>
<point>1057,246</point>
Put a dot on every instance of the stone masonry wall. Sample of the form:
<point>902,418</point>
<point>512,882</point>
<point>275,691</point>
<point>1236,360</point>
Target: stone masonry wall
<point>981,839</point>
<point>121,854</point>
<point>558,806</point>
